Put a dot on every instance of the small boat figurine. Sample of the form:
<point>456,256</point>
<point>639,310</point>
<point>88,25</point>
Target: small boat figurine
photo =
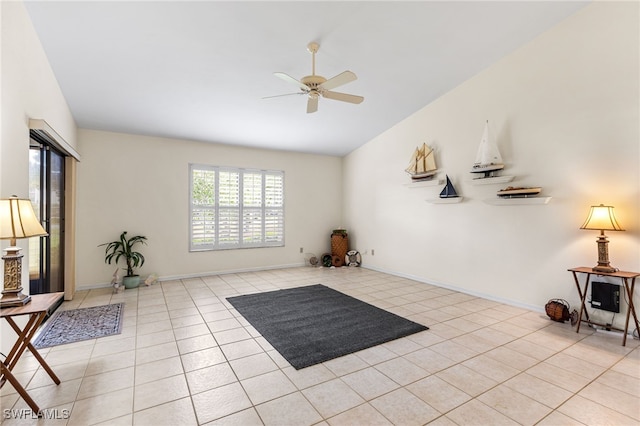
<point>488,158</point>
<point>448,191</point>
<point>519,192</point>
<point>422,165</point>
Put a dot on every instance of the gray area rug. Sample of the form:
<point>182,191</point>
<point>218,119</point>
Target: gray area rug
<point>312,324</point>
<point>81,324</point>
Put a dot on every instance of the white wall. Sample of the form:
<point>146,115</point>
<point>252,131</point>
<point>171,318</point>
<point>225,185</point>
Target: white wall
<point>141,185</point>
<point>29,90</point>
<point>564,110</point>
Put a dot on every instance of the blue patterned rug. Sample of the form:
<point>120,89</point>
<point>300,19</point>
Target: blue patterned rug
<point>81,324</point>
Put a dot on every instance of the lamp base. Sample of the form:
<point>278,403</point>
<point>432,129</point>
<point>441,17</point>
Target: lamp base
<point>12,293</point>
<point>603,256</point>
<point>606,269</point>
<point>12,298</point>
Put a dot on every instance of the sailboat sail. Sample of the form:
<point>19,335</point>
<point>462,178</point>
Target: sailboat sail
<point>488,157</point>
<point>423,163</point>
<point>448,191</point>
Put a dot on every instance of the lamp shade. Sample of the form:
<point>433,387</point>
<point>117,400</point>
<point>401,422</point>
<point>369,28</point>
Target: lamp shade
<point>18,220</point>
<point>601,218</point>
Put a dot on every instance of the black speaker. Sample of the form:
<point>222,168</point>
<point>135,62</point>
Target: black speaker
<point>605,296</point>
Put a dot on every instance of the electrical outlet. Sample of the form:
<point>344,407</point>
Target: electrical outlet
<point>373,252</point>
<point>301,249</point>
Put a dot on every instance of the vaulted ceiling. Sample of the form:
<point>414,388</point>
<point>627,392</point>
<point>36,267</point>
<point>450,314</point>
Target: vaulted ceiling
<point>200,70</point>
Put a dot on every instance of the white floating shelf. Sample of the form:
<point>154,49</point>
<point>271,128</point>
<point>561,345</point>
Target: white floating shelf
<point>423,183</point>
<point>451,200</point>
<point>492,180</point>
<point>517,201</point>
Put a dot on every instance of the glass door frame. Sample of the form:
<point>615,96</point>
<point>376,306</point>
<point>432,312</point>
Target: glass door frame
<point>43,249</point>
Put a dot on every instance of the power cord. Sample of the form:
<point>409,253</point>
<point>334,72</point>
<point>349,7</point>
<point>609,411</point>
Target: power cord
<point>608,327</point>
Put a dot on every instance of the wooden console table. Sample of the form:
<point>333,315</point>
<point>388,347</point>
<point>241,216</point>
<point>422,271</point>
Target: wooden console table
<point>36,310</point>
<point>628,289</point>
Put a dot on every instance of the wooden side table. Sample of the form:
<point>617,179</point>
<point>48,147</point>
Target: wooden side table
<point>36,310</point>
<point>628,289</point>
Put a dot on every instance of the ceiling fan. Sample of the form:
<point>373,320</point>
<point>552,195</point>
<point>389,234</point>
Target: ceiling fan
<point>315,86</point>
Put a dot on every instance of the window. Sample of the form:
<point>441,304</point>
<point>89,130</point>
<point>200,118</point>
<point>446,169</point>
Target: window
<point>235,208</point>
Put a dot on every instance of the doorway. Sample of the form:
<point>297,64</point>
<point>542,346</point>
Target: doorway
<point>46,191</point>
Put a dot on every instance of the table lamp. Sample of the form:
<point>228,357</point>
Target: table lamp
<point>17,220</point>
<point>601,218</point>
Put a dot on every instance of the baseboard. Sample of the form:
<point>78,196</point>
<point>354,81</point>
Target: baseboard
<point>229,271</point>
<point>200,274</point>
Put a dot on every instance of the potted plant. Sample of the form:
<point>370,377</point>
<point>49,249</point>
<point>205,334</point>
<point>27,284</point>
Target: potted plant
<point>124,248</point>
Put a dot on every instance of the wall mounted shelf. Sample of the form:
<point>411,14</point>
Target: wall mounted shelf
<point>492,180</point>
<point>431,182</point>
<point>517,201</point>
<point>451,200</point>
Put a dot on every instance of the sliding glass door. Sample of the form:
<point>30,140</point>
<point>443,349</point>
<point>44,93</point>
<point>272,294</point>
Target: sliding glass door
<point>46,191</point>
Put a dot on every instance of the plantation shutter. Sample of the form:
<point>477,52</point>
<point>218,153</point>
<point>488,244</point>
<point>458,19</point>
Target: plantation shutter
<point>274,208</point>
<point>236,208</point>
<point>228,208</point>
<point>203,212</point>
<point>252,213</point>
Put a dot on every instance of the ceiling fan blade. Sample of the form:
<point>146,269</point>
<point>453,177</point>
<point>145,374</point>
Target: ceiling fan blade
<point>339,80</point>
<point>292,80</point>
<point>354,99</point>
<point>286,94</point>
<point>312,104</point>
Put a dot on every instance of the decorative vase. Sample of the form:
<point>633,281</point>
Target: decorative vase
<point>339,246</point>
<point>131,281</point>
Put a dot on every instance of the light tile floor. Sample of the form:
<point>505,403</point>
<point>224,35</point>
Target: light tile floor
<point>185,357</point>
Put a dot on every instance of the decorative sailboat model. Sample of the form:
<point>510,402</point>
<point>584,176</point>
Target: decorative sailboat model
<point>448,195</point>
<point>422,165</point>
<point>488,159</point>
<point>449,191</point>
<point>519,191</point>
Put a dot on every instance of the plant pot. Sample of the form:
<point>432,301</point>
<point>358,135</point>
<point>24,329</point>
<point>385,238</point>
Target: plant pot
<point>131,281</point>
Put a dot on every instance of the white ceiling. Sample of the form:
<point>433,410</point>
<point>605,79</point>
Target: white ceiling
<point>199,70</point>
